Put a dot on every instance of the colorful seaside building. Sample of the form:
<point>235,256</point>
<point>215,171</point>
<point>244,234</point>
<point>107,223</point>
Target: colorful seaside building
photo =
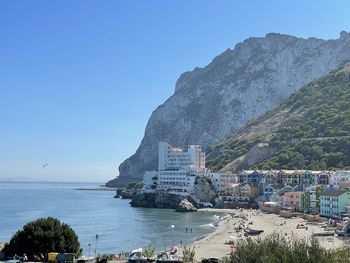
<point>323,177</point>
<point>269,176</point>
<point>334,202</point>
<point>238,194</point>
<point>272,189</point>
<point>339,177</point>
<point>250,176</point>
<point>310,200</point>
<point>292,200</point>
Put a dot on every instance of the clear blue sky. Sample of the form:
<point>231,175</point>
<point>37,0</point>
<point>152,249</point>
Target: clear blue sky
<point>79,79</point>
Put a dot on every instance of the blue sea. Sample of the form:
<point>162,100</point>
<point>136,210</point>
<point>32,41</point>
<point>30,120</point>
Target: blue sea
<point>119,226</point>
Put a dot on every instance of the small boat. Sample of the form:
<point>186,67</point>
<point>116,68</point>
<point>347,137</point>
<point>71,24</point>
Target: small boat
<point>165,258</point>
<point>253,232</point>
<point>301,226</point>
<point>211,260</point>
<point>84,259</point>
<point>136,256</point>
<point>323,234</point>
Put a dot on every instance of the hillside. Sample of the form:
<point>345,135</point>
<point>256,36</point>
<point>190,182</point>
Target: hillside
<point>308,130</point>
<point>239,85</point>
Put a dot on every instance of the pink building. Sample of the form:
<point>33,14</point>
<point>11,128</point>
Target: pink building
<point>292,200</point>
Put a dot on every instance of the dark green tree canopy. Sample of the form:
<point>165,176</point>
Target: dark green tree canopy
<point>44,235</point>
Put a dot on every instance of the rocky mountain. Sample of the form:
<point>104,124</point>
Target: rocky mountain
<point>237,86</point>
<point>308,130</point>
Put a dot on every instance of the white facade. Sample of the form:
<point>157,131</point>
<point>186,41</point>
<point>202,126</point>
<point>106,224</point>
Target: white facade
<point>220,180</point>
<point>175,158</point>
<point>150,179</point>
<point>177,170</point>
<point>313,196</point>
<point>339,177</point>
<point>175,180</point>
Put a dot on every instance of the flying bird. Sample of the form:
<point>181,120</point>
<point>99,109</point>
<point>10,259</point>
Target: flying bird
<point>46,164</point>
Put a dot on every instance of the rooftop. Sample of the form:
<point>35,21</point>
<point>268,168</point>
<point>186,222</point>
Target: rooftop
<point>334,192</point>
<point>285,171</point>
<point>277,186</point>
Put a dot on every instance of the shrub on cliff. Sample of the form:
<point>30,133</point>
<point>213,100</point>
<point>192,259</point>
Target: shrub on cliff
<point>42,236</point>
<point>281,249</point>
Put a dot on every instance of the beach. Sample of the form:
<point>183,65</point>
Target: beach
<point>213,245</point>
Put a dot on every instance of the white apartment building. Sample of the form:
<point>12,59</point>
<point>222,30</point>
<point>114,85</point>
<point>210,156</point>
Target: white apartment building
<point>220,180</point>
<point>175,158</point>
<point>177,170</point>
<point>339,177</point>
<point>150,179</point>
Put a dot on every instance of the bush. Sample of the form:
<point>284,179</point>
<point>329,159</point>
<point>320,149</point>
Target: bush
<point>188,254</point>
<point>281,249</point>
<point>43,235</point>
<point>148,251</point>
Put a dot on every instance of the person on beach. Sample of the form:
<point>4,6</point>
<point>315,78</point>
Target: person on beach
<point>186,229</point>
<point>191,230</point>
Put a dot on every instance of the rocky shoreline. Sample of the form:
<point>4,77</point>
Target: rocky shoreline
<point>164,200</point>
<point>203,193</point>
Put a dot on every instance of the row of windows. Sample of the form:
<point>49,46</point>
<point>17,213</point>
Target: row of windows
<point>329,198</point>
<point>172,183</point>
<point>179,159</point>
<point>178,164</point>
<point>328,205</point>
<point>172,173</point>
<point>178,155</point>
<point>173,178</point>
<point>328,212</point>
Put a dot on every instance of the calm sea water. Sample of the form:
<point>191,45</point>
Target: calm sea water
<point>119,226</point>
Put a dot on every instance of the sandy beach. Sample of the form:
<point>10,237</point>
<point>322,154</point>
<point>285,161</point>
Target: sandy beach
<point>213,244</point>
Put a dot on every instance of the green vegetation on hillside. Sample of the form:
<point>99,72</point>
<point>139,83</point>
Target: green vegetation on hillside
<point>230,150</point>
<point>318,138</point>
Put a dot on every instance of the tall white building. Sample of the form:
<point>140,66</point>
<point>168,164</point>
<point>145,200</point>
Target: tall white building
<point>177,170</point>
<point>175,158</point>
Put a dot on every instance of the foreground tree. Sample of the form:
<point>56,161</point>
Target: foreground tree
<point>281,249</point>
<point>44,235</point>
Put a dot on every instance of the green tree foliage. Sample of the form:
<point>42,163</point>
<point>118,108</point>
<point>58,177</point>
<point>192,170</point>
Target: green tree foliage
<point>148,251</point>
<point>317,137</point>
<point>230,150</point>
<point>44,235</point>
<point>282,249</point>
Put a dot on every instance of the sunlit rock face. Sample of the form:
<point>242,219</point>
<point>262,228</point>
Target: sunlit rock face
<point>238,85</point>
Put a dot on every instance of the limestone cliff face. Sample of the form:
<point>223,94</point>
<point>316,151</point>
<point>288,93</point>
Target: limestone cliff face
<point>204,189</point>
<point>258,153</point>
<point>240,84</point>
